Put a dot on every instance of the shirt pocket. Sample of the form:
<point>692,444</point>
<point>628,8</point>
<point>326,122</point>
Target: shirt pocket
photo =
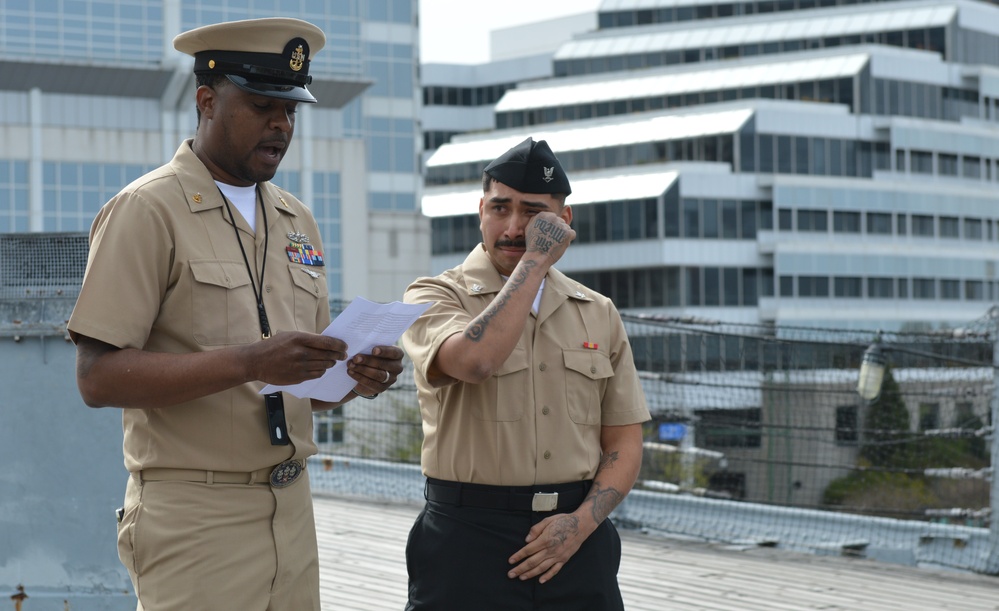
<point>586,375</point>
<point>513,386</point>
<point>310,289</point>
<point>224,309</point>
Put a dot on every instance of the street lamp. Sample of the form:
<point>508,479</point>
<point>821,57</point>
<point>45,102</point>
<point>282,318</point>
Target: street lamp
<point>872,371</point>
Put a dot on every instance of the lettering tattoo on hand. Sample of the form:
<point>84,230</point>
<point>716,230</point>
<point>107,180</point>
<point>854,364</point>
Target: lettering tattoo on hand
<point>548,235</point>
<point>477,328</point>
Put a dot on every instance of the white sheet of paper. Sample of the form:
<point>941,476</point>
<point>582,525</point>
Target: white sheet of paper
<point>362,325</point>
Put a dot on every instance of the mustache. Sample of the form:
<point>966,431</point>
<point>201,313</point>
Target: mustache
<point>510,244</point>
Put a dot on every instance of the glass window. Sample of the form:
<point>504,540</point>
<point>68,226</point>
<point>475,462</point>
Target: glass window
<point>784,219</point>
<point>903,288</point>
<point>711,286</point>
<point>921,162</point>
<point>880,288</point>
<point>879,223</point>
<point>691,218</point>
<point>949,227</point>
<point>750,290</point>
<point>709,218</point>
<point>693,286</point>
<point>787,286</point>
<point>973,229</point>
<point>846,222</point>
<point>947,164</point>
<point>950,289</point>
<point>922,225</point>
<point>847,425</point>
<point>924,288</point>
<point>971,167</point>
<point>766,158</point>
<point>748,230</point>
<point>974,290</point>
<point>929,416</point>
<point>847,286</point>
<point>813,220</point>
<point>813,286</point>
<point>730,286</point>
<point>730,219</point>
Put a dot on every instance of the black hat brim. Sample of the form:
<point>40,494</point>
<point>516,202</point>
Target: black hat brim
<point>294,93</point>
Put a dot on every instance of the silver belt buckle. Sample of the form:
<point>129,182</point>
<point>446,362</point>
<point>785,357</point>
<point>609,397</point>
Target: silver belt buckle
<point>286,473</point>
<point>544,501</point>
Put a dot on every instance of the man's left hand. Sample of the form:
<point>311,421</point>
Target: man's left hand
<point>377,371</point>
<point>550,544</point>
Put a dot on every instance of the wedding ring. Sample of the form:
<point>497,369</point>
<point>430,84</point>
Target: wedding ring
<point>387,376</point>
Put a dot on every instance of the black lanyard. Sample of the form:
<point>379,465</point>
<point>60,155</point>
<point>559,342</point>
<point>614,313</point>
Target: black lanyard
<point>277,426</point>
<point>265,327</point>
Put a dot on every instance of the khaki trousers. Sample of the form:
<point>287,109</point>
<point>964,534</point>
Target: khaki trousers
<point>195,546</point>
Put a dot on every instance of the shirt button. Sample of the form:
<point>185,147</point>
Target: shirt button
<point>593,369</point>
<point>268,289</point>
<point>545,410</point>
<point>542,366</point>
<point>548,455</point>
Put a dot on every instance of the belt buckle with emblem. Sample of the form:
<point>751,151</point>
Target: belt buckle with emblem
<point>286,473</point>
<point>544,501</point>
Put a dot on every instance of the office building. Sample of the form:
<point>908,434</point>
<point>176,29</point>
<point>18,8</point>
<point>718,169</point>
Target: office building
<point>92,95</point>
<point>801,162</point>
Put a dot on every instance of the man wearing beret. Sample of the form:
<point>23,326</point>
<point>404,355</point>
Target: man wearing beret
<point>532,412</point>
<point>204,282</point>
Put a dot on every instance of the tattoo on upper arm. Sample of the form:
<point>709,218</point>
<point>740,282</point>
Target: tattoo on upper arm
<point>607,461</point>
<point>477,329</point>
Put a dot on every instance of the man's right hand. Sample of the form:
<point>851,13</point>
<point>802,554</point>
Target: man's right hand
<point>293,357</point>
<point>548,234</point>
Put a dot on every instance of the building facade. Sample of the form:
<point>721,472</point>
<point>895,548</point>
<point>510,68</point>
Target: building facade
<point>92,95</point>
<point>801,162</point>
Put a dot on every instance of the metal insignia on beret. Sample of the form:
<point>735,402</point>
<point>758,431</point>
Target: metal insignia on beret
<point>297,58</point>
<point>286,473</point>
<point>548,173</point>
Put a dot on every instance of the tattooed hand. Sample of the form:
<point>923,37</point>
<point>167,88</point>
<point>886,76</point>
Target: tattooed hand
<point>548,234</point>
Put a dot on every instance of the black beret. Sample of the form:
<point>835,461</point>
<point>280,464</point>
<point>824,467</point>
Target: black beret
<point>530,167</point>
<point>264,56</point>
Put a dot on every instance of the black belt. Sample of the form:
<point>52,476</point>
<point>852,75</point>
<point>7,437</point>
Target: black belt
<point>545,498</point>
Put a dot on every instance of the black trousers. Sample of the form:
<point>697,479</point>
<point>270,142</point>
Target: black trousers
<point>457,561</point>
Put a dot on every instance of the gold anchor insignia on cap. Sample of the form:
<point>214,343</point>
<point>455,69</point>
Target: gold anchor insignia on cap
<point>197,198</point>
<point>297,59</point>
<point>211,64</point>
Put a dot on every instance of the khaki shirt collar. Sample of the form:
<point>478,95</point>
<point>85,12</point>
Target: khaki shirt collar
<point>481,278</point>
<point>201,192</point>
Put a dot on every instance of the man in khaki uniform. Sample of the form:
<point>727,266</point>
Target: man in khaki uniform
<point>532,412</point>
<point>204,282</point>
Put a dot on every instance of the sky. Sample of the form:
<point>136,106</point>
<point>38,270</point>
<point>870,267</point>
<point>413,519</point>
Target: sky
<point>457,31</point>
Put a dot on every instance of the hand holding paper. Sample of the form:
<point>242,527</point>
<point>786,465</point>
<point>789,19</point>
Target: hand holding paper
<point>362,325</point>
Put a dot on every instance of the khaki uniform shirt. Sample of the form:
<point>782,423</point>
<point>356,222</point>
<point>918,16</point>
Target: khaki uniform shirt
<point>538,420</point>
<point>165,274</point>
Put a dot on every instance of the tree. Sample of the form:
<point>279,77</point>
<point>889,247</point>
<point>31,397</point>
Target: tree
<point>886,427</point>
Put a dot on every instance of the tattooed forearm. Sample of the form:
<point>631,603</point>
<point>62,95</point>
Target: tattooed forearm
<point>607,461</point>
<point>477,328</point>
<point>604,501</point>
